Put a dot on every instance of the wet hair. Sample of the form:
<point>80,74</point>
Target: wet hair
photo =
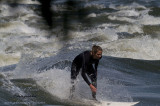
<point>95,49</point>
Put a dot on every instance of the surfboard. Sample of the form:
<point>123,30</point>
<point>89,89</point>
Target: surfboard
<point>105,103</point>
<point>87,102</point>
<point>108,103</point>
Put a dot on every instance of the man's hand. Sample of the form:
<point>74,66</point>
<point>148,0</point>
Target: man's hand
<point>93,89</point>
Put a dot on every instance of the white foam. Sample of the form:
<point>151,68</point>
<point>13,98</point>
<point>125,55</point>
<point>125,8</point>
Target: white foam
<point>20,31</point>
<point>127,13</point>
<point>9,86</point>
<point>130,7</point>
<point>130,28</point>
<point>122,19</point>
<point>21,1</point>
<point>92,15</point>
<point>149,20</point>
<point>4,10</point>
<point>17,27</point>
<point>55,81</point>
<point>137,48</point>
<point>98,6</point>
<point>142,17</point>
<point>29,2</point>
<point>7,59</point>
<point>10,11</point>
<point>109,34</point>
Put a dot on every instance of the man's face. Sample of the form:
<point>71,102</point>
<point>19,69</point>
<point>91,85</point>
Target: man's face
<point>98,55</point>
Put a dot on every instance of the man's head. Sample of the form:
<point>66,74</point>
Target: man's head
<point>96,52</point>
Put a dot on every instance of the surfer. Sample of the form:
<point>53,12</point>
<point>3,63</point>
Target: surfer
<point>85,61</point>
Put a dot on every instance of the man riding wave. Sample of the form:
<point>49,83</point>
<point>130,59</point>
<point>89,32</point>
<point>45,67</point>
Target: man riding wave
<point>85,61</point>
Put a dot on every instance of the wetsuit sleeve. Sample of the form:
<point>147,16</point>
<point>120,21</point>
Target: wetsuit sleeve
<point>84,69</point>
<point>85,77</point>
<point>96,65</point>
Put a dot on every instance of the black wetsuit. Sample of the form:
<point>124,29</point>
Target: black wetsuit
<point>85,61</point>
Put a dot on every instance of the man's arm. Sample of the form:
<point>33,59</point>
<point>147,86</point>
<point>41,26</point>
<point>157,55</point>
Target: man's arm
<point>84,74</point>
<point>84,68</point>
<point>93,88</point>
<point>96,66</point>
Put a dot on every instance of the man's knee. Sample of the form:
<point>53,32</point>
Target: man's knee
<point>74,74</point>
<point>73,77</point>
<point>74,71</point>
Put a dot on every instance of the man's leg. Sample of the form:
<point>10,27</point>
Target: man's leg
<point>72,89</point>
<point>74,73</point>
